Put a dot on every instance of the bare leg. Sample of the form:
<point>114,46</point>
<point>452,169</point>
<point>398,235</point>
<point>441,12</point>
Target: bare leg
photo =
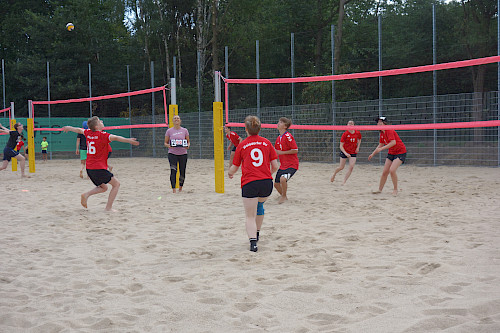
<point>180,189</point>
<point>385,173</point>
<point>82,166</point>
<point>231,157</point>
<point>339,168</point>
<point>22,162</point>
<point>115,186</point>
<point>352,162</point>
<point>395,165</point>
<point>250,205</point>
<point>277,186</point>
<point>260,218</point>
<point>96,190</point>
<point>284,187</point>
<point>4,165</point>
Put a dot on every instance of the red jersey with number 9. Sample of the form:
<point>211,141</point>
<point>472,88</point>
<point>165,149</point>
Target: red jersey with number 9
<point>97,149</point>
<point>255,154</point>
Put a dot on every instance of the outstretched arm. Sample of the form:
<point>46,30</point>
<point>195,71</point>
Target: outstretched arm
<point>132,141</point>
<point>4,129</point>
<point>67,129</point>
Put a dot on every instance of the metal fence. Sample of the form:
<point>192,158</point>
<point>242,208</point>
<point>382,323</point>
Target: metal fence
<point>460,147</point>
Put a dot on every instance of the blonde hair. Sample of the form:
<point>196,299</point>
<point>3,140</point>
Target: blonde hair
<point>252,124</point>
<point>92,122</point>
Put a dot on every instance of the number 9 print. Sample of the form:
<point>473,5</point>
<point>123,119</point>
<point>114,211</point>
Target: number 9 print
<point>257,156</point>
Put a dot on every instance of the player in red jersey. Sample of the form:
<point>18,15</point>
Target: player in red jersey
<point>349,148</point>
<point>97,159</point>
<point>258,161</point>
<point>287,150</point>
<point>234,141</point>
<point>396,156</point>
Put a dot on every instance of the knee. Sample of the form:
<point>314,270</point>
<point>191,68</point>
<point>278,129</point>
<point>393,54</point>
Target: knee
<point>283,180</point>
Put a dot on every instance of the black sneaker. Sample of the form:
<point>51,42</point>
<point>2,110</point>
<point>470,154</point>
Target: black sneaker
<point>253,245</point>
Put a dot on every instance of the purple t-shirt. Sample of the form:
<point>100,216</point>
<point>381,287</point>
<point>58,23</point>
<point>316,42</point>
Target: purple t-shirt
<point>178,140</point>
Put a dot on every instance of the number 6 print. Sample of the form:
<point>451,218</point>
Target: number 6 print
<point>257,156</point>
<point>91,148</point>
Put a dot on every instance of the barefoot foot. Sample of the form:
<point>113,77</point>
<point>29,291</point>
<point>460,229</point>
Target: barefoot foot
<point>332,179</point>
<point>83,200</point>
<point>395,193</point>
<point>81,174</point>
<point>376,192</point>
<point>282,200</point>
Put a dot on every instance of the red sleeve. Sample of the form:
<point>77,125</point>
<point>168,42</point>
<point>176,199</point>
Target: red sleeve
<point>342,139</point>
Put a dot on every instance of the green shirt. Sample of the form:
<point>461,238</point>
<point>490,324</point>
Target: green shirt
<point>44,144</point>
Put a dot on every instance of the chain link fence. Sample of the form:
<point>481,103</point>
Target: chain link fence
<point>457,147</point>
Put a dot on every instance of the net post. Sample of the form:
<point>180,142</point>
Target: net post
<point>218,136</point>
<point>12,123</point>
<point>31,137</point>
<point>173,110</point>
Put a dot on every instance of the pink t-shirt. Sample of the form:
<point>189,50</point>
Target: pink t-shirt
<point>178,140</point>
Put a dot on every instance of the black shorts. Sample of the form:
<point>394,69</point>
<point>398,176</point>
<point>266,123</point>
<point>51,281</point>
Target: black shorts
<point>99,176</point>
<point>44,152</point>
<point>342,155</point>
<point>234,148</point>
<point>109,154</point>
<point>287,173</point>
<point>257,189</point>
<point>402,157</point>
<point>8,153</point>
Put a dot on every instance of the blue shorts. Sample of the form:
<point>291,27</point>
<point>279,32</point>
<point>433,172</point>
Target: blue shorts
<point>257,189</point>
<point>287,173</point>
<point>8,153</point>
<point>402,157</point>
<point>99,176</point>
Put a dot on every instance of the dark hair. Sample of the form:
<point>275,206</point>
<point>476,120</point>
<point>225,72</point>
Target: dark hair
<point>16,125</point>
<point>44,138</point>
<point>92,122</point>
<point>286,121</point>
<point>252,124</point>
<point>228,127</point>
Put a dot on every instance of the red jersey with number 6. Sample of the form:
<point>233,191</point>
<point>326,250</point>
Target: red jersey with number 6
<point>286,142</point>
<point>255,154</point>
<point>350,141</point>
<point>97,149</point>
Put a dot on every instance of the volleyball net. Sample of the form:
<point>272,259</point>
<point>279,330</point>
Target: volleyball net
<point>461,128</point>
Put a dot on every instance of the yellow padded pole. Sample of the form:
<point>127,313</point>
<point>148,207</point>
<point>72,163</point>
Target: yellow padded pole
<point>31,144</point>
<point>14,160</point>
<point>218,147</point>
<point>173,110</point>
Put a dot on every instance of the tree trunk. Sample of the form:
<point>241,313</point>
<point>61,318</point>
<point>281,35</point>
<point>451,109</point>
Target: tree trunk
<point>338,35</point>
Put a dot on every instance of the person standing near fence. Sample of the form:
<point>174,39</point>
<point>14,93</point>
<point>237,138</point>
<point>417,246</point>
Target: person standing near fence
<point>287,150</point>
<point>396,156</point>
<point>234,140</point>
<point>349,148</point>
<point>177,141</point>
<point>258,160</point>
<point>81,148</point>
<point>10,151</point>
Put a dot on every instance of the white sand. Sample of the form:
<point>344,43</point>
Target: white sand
<point>332,259</point>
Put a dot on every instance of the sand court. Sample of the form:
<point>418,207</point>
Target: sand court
<point>331,259</point>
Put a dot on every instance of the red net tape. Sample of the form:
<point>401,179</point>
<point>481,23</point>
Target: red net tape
<point>488,123</point>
